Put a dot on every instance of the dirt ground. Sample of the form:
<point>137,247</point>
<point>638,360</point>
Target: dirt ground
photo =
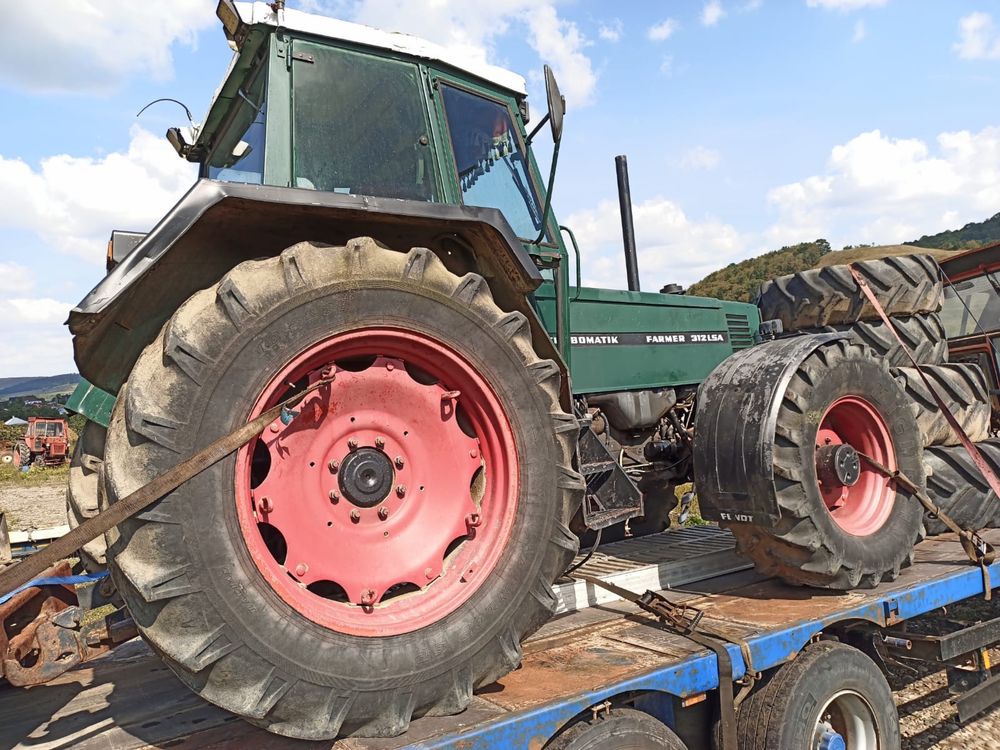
<point>927,718</point>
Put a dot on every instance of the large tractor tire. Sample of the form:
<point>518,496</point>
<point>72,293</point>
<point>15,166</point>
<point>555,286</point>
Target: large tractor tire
<point>82,492</point>
<point>23,454</point>
<point>829,296</point>
<point>959,489</point>
<point>964,389</point>
<point>924,336</point>
<point>846,526</point>
<point>384,552</point>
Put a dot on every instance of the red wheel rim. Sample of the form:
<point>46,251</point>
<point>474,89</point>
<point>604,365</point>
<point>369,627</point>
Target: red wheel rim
<point>309,494</point>
<point>862,508</point>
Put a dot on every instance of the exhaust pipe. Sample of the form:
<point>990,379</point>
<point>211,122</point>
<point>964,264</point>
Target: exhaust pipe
<point>628,228</point>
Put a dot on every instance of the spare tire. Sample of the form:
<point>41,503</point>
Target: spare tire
<point>965,391</point>
<point>959,489</point>
<point>829,296</point>
<point>924,336</point>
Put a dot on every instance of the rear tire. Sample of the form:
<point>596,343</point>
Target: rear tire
<point>82,492</point>
<point>958,488</point>
<point>924,336</point>
<point>620,729</point>
<point>829,296</point>
<point>867,538</point>
<point>965,391</point>
<point>827,678</point>
<point>185,567</point>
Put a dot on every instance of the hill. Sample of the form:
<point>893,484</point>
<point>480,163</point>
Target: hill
<point>972,235</point>
<point>740,281</point>
<point>51,385</point>
<point>854,253</point>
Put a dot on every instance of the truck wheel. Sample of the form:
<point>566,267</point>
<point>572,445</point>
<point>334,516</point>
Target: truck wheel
<point>903,285</point>
<point>82,492</point>
<point>924,336</point>
<point>962,386</point>
<point>959,489</point>
<point>843,524</point>
<point>386,551</point>
<point>830,696</point>
<point>9,458</point>
<point>620,729</point>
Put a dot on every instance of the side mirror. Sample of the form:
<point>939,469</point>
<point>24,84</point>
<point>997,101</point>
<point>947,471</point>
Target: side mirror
<point>557,104</point>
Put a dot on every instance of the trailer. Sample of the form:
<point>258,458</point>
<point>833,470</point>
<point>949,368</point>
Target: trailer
<point>603,672</point>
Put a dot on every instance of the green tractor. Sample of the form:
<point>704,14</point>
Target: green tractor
<point>370,217</point>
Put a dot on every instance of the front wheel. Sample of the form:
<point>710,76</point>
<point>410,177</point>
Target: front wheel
<point>384,550</point>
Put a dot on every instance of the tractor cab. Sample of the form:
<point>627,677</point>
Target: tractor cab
<point>321,104</point>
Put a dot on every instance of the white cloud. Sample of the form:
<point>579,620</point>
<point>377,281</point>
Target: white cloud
<point>712,13</point>
<point>978,38</point>
<point>860,31</point>
<point>611,31</point>
<point>73,203</point>
<point>671,247</point>
<point>95,45</point>
<point>38,310</point>
<point>700,157</point>
<point>845,5</point>
<point>667,65</point>
<point>472,30</point>
<point>888,190</point>
<point>15,278</point>
<point>34,341</point>
<point>663,30</point>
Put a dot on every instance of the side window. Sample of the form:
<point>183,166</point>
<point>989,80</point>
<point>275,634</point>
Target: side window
<point>491,163</point>
<point>239,154</point>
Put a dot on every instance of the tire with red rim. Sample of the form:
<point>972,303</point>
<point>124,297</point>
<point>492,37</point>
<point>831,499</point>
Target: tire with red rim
<point>384,549</point>
<point>843,524</point>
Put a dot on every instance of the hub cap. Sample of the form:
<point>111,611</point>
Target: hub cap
<point>384,504</point>
<point>846,722</point>
<point>858,497</point>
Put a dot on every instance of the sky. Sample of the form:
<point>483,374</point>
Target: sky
<point>748,125</point>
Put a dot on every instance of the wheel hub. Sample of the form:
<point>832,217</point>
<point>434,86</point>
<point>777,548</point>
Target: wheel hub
<point>838,465</point>
<point>365,477</point>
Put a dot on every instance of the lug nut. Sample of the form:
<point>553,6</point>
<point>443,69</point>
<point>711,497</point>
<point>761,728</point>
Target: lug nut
<point>383,513</point>
<point>379,443</point>
<point>355,516</point>
<point>265,504</point>
<point>334,497</point>
<point>428,573</point>
<point>301,569</point>
<point>473,453</point>
<point>275,428</point>
<point>399,462</point>
<point>334,465</point>
<point>352,444</point>
<point>367,598</point>
<point>401,489</point>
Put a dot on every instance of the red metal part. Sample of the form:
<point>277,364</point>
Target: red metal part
<point>860,509</point>
<point>440,445</point>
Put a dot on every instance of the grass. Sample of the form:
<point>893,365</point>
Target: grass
<point>694,515</point>
<point>11,477</point>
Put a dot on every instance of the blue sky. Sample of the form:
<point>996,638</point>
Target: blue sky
<point>748,125</point>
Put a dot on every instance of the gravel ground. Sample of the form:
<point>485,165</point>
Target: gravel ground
<point>927,718</point>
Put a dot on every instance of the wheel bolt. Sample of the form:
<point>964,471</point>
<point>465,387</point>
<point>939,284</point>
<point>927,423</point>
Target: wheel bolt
<point>401,489</point>
<point>379,443</point>
<point>355,516</point>
<point>275,428</point>
<point>428,573</point>
<point>473,453</point>
<point>352,444</point>
<point>383,513</point>
<point>266,506</point>
<point>367,598</point>
<point>301,569</point>
<point>827,441</point>
<point>399,462</point>
<point>334,466</point>
<point>334,497</point>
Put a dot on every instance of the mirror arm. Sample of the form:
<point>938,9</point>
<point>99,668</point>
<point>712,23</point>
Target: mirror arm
<point>548,195</point>
<point>537,127</point>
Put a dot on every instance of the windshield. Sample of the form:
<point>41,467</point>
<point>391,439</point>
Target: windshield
<point>492,168</point>
<point>238,155</point>
<point>981,303</point>
<point>359,125</point>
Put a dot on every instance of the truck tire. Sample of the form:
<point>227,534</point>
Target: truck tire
<point>308,583</point>
<point>839,536</point>
<point>924,336</point>
<point>82,492</point>
<point>958,488</point>
<point>830,690</point>
<point>619,729</point>
<point>964,389</point>
<point>23,454</point>
<point>903,285</point>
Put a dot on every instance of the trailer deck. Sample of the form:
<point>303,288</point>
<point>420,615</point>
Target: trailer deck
<point>596,650</point>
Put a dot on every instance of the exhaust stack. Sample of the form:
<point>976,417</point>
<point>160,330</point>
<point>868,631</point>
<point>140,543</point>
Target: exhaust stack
<point>628,228</point>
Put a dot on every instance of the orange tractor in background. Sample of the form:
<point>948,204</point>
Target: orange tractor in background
<point>45,443</point>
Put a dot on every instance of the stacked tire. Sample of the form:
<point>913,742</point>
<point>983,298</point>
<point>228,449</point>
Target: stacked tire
<point>803,547</point>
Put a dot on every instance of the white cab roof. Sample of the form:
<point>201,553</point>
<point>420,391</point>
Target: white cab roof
<point>332,28</point>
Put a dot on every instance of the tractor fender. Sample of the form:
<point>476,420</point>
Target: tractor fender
<point>734,428</point>
<point>217,225</point>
